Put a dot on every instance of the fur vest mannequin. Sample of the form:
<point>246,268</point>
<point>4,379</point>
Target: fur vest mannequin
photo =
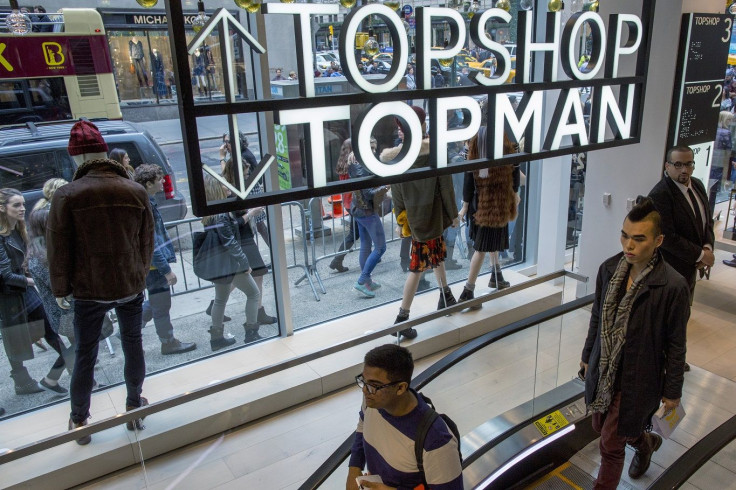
<point>494,187</point>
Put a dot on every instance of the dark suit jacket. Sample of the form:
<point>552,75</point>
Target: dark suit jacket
<point>683,243</point>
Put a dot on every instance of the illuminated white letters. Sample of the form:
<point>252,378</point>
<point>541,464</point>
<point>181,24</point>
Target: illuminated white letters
<point>569,39</point>
<point>531,110</point>
<point>481,38</point>
<point>409,152</point>
<point>445,135</point>
<point>351,69</point>
<point>314,136</point>
<point>303,33</point>
<point>615,49</point>
<point>425,53</point>
<point>608,109</point>
<point>526,47</point>
<point>568,107</point>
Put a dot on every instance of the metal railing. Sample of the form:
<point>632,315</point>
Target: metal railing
<point>214,388</point>
<point>182,232</point>
<point>307,238</point>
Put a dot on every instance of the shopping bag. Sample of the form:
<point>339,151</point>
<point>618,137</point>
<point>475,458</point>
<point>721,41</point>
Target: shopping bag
<point>665,423</point>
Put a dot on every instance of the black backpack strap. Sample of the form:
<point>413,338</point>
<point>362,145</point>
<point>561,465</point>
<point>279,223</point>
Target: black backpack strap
<point>427,420</point>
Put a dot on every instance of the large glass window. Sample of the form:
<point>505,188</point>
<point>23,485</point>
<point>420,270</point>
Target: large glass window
<point>144,70</point>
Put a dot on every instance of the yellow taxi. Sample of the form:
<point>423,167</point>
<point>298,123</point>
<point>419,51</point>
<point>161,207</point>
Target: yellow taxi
<point>490,65</point>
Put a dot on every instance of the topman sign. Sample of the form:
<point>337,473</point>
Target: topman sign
<point>615,113</point>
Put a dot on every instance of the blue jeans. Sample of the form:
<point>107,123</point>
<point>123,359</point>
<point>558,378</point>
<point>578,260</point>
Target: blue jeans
<point>158,305</point>
<point>88,316</point>
<point>370,229</point>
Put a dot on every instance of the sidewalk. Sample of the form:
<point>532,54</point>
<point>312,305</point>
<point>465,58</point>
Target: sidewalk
<point>168,131</point>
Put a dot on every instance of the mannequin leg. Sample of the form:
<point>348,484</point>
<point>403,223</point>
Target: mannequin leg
<point>497,281</point>
<point>410,289</point>
<point>446,297</point>
<point>476,261</point>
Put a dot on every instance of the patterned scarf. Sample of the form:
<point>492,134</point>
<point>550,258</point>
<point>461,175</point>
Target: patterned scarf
<point>614,321</point>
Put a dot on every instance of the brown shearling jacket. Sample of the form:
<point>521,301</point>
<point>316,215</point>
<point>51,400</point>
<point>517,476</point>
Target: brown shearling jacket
<point>100,234</point>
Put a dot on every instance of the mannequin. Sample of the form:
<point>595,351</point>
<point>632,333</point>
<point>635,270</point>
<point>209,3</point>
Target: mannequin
<point>198,71</point>
<point>490,202</point>
<point>210,61</point>
<point>158,73</point>
<point>138,60</point>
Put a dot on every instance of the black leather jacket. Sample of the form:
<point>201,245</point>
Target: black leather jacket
<point>12,256</point>
<point>227,230</point>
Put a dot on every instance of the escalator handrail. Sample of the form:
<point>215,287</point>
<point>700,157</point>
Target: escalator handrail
<point>331,464</point>
<point>686,465</point>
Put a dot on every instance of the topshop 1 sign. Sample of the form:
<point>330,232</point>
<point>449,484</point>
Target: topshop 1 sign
<point>616,100</point>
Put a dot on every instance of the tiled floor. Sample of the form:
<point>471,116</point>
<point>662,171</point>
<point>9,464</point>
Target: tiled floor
<point>282,450</point>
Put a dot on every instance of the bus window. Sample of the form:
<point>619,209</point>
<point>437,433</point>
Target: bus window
<point>11,96</point>
<point>33,100</point>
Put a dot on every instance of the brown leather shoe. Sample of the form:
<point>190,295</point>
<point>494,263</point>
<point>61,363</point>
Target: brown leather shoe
<point>642,458</point>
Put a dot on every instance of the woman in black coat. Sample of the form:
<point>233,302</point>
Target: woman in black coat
<point>237,273</point>
<point>21,309</point>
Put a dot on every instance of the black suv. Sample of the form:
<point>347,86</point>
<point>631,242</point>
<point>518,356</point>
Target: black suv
<point>31,154</point>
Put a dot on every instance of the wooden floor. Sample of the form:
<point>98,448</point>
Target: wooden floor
<point>282,450</point>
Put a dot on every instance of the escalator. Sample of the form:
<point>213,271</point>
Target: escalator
<point>544,439</point>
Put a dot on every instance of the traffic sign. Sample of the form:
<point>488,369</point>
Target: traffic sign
<point>407,10</point>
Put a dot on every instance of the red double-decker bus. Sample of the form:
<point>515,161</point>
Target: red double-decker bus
<point>58,75</point>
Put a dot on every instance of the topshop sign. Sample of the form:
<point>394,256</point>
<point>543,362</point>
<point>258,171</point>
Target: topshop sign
<point>615,100</point>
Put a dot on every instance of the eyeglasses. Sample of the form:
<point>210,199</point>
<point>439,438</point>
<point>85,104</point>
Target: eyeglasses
<point>679,165</point>
<point>360,381</point>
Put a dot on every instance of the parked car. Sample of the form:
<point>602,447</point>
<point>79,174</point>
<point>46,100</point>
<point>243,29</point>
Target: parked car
<point>324,60</point>
<point>30,154</point>
<point>387,57</point>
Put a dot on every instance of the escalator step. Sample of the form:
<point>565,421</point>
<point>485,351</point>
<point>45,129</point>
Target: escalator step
<point>568,476</point>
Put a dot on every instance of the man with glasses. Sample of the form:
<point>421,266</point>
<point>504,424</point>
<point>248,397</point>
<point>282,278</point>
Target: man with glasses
<point>389,418</point>
<point>687,224</point>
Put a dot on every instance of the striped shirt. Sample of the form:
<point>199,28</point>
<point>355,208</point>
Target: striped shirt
<point>385,444</point>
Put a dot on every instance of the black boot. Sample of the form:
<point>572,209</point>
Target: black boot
<point>409,333</point>
<point>497,281</point>
<point>446,299</point>
<point>251,333</point>
<point>24,384</point>
<point>218,340</point>
<point>264,318</point>
<point>336,264</point>
<point>467,295</point>
<point>208,311</point>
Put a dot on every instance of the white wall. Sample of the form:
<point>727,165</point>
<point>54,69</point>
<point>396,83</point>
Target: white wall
<point>631,170</point>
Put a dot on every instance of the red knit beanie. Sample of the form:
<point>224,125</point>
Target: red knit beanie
<point>85,138</point>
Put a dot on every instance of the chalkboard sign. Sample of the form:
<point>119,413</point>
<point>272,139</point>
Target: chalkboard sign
<point>701,64</point>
